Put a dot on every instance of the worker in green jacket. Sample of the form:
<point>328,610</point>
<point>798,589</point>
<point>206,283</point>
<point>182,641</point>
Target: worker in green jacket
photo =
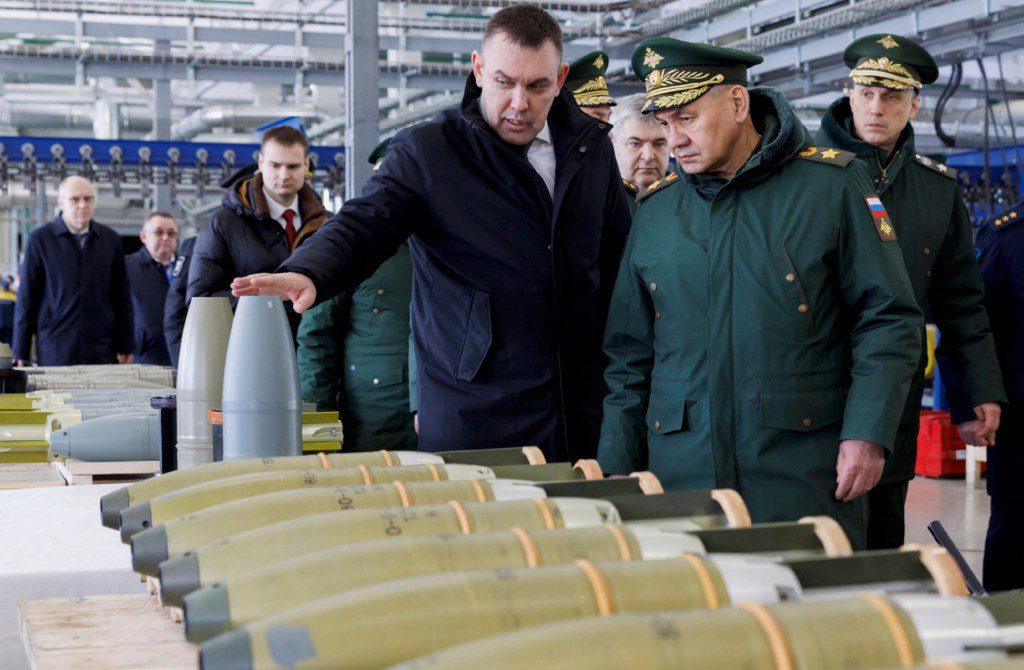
<point>353,355</point>
<point>762,333</point>
<point>934,231</point>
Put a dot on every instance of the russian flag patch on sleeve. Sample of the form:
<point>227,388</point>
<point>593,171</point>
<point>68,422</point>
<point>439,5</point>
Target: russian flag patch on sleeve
<point>883,225</point>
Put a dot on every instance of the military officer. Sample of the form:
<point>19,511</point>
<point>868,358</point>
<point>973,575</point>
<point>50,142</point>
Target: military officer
<point>590,90</point>
<point>353,354</point>
<point>762,332</point>
<point>641,147</point>
<point>934,231</point>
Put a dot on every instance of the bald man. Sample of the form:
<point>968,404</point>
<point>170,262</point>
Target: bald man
<point>74,295</point>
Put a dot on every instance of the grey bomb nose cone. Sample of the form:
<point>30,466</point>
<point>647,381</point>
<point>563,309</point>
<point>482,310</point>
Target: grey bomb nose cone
<point>179,576</point>
<point>229,651</point>
<point>149,550</point>
<point>260,403</point>
<point>111,506</point>
<point>206,613</point>
<point>132,436</point>
<point>135,519</point>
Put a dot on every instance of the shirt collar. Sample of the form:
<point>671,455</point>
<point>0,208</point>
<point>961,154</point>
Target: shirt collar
<point>88,227</point>
<point>276,210</point>
<point>545,134</point>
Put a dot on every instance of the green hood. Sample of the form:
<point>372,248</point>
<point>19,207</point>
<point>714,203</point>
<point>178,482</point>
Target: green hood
<point>837,131</point>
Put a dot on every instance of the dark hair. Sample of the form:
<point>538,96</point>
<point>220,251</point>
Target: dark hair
<point>286,136</point>
<point>526,25</point>
<point>156,213</point>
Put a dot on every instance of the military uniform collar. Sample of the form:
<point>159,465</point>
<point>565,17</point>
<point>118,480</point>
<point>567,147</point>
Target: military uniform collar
<point>837,124</point>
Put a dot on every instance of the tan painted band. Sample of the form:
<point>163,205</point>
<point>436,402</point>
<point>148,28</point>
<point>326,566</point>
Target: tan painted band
<point>946,574</point>
<point>830,534</point>
<point>388,461</point>
<point>403,493</point>
<point>460,514</point>
<point>530,551</point>
<point>736,513</point>
<point>324,461</point>
<point>707,584</point>
<point>480,495</point>
<point>649,484</point>
<point>545,512</point>
<point>776,640</point>
<point>896,630</point>
<point>434,472</point>
<point>534,456</point>
<point>589,467</point>
<point>620,540</point>
<point>367,477</point>
<point>597,584</point>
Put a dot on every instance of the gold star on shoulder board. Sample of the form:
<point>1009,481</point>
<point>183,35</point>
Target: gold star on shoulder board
<point>599,63</point>
<point>942,168</point>
<point>829,153</point>
<point>888,42</point>
<point>651,59</point>
<point>671,176</point>
<point>1013,215</point>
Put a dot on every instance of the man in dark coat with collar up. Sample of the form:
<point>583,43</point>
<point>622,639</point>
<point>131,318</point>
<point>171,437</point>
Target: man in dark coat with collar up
<point>74,294</point>
<point>516,221</point>
<point>150,270</point>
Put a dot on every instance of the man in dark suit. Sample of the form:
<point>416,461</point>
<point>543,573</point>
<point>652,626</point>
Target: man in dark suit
<point>149,273</point>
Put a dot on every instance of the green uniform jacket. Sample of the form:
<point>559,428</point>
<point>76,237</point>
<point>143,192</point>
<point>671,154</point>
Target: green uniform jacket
<point>934,233</point>
<point>352,357</point>
<point>631,193</point>
<point>755,323</point>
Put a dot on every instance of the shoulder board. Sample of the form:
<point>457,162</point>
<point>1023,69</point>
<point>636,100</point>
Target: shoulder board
<point>944,170</point>
<point>1007,219</point>
<point>630,186</point>
<point>670,178</point>
<point>826,155</point>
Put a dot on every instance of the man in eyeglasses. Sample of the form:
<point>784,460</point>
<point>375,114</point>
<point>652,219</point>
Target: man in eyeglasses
<point>74,294</point>
<point>150,270</point>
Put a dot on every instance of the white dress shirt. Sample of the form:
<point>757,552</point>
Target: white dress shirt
<point>541,155</point>
<point>277,211</point>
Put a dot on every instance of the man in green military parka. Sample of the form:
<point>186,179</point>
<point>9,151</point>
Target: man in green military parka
<point>762,332</point>
<point>934,233</point>
<point>353,351</point>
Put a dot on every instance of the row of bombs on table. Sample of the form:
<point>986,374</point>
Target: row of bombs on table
<point>494,558</point>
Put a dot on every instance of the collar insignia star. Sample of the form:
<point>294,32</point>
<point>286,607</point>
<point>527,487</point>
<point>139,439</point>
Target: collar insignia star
<point>888,42</point>
<point>829,153</point>
<point>599,63</point>
<point>651,59</point>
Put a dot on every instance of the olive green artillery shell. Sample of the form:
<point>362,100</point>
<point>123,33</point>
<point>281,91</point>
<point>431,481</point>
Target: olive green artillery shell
<point>282,586</point>
<point>254,549</point>
<point>495,457</point>
<point>208,494</point>
<point>139,492</point>
<point>858,633</point>
<point>388,623</point>
<point>548,472</point>
<point>217,522</point>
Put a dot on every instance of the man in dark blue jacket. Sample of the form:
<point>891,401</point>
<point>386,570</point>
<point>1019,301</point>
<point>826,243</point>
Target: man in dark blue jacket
<point>1000,247</point>
<point>149,274</point>
<point>516,221</point>
<point>74,294</point>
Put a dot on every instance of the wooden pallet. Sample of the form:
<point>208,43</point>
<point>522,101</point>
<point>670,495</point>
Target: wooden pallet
<point>84,472</point>
<point>111,632</point>
<point>28,476</point>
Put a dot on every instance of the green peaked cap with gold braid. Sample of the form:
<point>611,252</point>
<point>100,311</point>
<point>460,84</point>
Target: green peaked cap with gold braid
<point>676,73</point>
<point>586,80</point>
<point>891,61</point>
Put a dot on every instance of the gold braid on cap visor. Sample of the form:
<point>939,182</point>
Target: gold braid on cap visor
<point>672,87</point>
<point>593,93</point>
<point>884,72</point>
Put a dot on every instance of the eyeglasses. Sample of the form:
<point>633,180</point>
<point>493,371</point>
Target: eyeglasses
<point>164,233</point>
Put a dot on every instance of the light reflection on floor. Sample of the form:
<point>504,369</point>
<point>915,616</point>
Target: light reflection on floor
<point>962,510</point>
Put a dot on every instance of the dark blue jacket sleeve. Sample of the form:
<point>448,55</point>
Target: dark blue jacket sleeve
<point>30,295</point>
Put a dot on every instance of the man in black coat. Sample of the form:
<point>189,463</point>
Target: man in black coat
<point>149,274</point>
<point>175,305</point>
<point>74,294</point>
<point>262,218</point>
<point>516,221</point>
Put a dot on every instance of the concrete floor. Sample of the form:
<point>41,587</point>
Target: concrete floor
<point>963,512</point>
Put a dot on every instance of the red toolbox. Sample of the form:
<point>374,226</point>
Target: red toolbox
<point>940,450</point>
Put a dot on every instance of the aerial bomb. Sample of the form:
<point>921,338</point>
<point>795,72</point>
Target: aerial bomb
<point>201,496</point>
<point>262,411</point>
<point>112,504</point>
<point>867,631</point>
<point>173,538</point>
<point>204,344</point>
<point>120,437</point>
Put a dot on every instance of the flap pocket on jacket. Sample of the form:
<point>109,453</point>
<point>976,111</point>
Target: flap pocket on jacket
<point>478,338</point>
<point>802,411</point>
<point>665,414</point>
<point>388,376</point>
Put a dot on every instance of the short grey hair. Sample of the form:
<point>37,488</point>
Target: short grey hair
<point>631,107</point>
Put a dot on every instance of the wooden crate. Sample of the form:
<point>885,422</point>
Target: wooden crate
<point>84,472</point>
<point>28,476</point>
<point>124,632</point>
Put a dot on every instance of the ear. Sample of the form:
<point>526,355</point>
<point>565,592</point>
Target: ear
<point>563,71</point>
<point>477,59</point>
<point>915,105</point>
<point>142,236</point>
<point>259,160</point>
<point>741,103</point>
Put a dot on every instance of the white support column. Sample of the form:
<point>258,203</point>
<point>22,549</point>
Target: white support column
<point>362,103</point>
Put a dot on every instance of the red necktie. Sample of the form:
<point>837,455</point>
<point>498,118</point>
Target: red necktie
<point>289,227</point>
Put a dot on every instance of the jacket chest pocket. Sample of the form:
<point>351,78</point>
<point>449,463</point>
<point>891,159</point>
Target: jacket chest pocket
<point>797,299</point>
<point>666,414</point>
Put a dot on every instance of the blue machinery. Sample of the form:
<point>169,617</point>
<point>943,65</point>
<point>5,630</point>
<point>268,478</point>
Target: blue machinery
<point>32,161</point>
